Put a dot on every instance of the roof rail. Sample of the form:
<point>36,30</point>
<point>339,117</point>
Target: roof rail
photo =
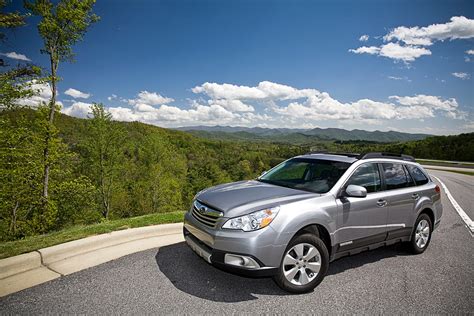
<point>387,155</point>
<point>325,152</point>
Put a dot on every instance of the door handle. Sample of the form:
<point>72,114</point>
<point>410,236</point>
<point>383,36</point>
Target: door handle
<point>381,203</point>
<point>415,196</point>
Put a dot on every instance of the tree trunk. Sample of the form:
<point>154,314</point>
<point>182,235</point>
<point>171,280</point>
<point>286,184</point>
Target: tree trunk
<point>49,126</point>
<point>13,222</point>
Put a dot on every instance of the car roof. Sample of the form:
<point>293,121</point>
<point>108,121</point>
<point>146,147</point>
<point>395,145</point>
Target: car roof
<point>329,157</point>
<point>352,157</point>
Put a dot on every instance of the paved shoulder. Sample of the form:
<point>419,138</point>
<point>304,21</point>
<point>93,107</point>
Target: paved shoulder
<point>461,187</point>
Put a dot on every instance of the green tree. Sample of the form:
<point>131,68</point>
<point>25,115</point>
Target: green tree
<point>104,150</point>
<point>15,81</point>
<point>62,25</point>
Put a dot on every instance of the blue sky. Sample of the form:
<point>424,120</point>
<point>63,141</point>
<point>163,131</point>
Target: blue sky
<point>151,60</point>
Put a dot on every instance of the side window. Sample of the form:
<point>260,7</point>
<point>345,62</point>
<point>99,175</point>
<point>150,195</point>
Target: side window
<point>367,176</point>
<point>417,175</point>
<point>395,176</point>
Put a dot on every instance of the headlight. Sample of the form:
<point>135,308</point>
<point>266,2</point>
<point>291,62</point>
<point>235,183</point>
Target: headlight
<point>253,221</point>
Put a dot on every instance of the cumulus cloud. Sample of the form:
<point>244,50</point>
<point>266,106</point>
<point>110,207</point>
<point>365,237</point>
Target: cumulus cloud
<point>409,43</point>
<point>16,56</point>
<point>459,27</point>
<point>42,95</point>
<point>323,107</point>
<point>173,116</point>
<point>372,50</point>
<point>394,51</point>
<point>364,38</point>
<point>278,105</point>
<point>112,97</point>
<point>78,109</point>
<point>76,93</point>
<point>265,90</point>
<point>404,53</point>
<point>150,107</point>
<point>150,98</point>
<point>461,75</point>
<point>232,105</point>
<point>470,52</point>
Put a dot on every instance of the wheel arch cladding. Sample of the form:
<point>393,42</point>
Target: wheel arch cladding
<point>319,231</point>
<point>430,213</point>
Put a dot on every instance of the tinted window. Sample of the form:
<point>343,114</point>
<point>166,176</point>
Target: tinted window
<point>418,175</point>
<point>395,176</point>
<point>306,174</point>
<point>367,176</point>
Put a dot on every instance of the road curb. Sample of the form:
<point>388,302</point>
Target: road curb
<point>33,268</point>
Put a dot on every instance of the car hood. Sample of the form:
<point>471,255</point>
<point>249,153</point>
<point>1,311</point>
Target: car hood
<point>243,197</point>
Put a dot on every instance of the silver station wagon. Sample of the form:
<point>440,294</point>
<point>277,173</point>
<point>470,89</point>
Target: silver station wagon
<point>295,219</point>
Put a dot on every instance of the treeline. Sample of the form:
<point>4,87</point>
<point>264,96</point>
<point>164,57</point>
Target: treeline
<point>455,148</point>
<point>104,169</point>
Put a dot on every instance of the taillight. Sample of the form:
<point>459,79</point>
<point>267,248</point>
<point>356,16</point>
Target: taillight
<point>437,189</point>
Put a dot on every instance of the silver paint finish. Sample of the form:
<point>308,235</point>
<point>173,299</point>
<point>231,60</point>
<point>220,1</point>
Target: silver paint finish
<point>345,218</point>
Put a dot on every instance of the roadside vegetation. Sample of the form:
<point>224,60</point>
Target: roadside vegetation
<point>31,243</point>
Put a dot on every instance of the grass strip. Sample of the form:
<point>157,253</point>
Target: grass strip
<point>31,243</point>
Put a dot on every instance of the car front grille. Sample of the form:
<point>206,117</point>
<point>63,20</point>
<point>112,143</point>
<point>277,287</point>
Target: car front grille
<point>205,215</point>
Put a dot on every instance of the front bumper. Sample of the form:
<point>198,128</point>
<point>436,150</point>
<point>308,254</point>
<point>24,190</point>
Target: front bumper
<point>213,245</point>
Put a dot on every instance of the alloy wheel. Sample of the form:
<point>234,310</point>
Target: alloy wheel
<point>422,233</point>
<point>301,264</point>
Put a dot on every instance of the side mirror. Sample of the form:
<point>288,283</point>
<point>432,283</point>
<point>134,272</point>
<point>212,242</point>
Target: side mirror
<point>353,190</point>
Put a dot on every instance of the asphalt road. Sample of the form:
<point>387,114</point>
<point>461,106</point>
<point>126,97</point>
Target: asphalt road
<point>461,187</point>
<point>175,280</point>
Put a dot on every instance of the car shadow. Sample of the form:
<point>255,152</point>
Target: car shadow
<point>192,275</point>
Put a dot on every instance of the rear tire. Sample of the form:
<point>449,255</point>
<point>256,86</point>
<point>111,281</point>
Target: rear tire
<point>304,264</point>
<point>421,236</point>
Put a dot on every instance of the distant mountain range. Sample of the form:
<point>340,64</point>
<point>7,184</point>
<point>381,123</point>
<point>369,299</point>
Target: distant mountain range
<point>300,136</point>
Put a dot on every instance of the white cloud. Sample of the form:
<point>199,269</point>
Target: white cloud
<point>112,97</point>
<point>78,109</point>
<point>232,105</point>
<point>76,93</point>
<point>461,75</point>
<point>372,50</point>
<point>317,106</point>
<point>470,52</point>
<point>394,51</point>
<point>150,98</point>
<point>404,53</point>
<point>364,38</point>
<point>173,116</point>
<point>265,90</point>
<point>42,95</point>
<point>459,27</point>
<point>414,38</point>
<point>276,105</point>
<point>16,56</point>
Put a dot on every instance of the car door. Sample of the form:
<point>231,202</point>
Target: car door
<point>401,195</point>
<point>362,221</point>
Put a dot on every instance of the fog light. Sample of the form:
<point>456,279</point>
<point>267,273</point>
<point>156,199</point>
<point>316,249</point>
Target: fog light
<point>241,261</point>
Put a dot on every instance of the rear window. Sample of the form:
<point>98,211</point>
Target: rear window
<point>395,176</point>
<point>417,175</point>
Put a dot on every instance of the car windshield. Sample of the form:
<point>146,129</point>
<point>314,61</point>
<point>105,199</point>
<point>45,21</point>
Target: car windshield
<point>313,175</point>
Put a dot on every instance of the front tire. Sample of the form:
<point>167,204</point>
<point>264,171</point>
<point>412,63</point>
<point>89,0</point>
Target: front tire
<point>304,264</point>
<point>421,236</point>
